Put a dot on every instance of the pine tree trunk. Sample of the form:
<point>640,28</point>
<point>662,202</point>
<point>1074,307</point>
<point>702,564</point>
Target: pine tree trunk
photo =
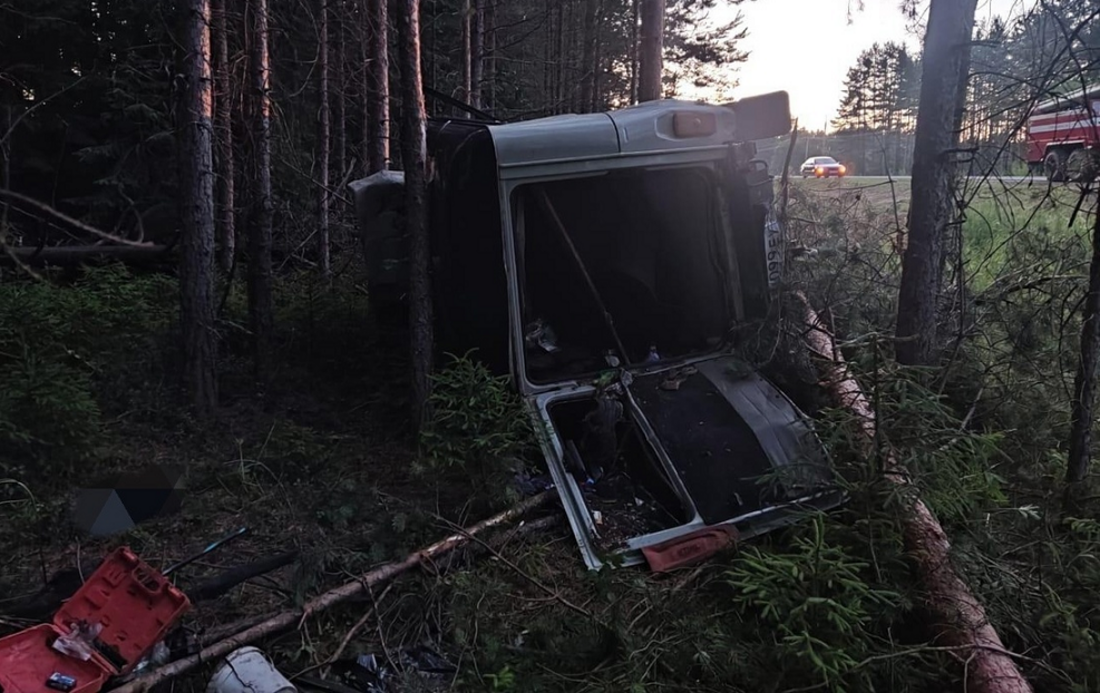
<point>559,96</point>
<point>223,137</point>
<point>414,159</point>
<point>943,90</point>
<point>634,51</point>
<point>324,137</point>
<point>377,94</point>
<point>260,300</point>
<point>576,41</point>
<point>547,73</point>
<point>488,71</point>
<point>1084,384</point>
<point>477,52</point>
<point>598,98</point>
<point>365,91</point>
<point>588,56</point>
<point>467,55</point>
<point>197,261</point>
<point>5,170</point>
<point>651,50</point>
<point>341,94</point>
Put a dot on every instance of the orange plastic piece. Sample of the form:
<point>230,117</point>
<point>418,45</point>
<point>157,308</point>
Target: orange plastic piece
<point>690,548</point>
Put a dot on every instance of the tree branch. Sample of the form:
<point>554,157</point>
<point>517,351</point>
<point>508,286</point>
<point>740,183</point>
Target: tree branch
<point>45,209</point>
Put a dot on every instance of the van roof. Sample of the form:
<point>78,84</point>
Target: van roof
<point>642,129</point>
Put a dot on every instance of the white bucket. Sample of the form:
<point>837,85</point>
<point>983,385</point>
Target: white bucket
<point>248,670</point>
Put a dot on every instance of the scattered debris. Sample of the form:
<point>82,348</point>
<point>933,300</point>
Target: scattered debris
<point>160,656</point>
<point>288,619</point>
<point>368,674</point>
<point>677,377</point>
<point>532,484</point>
<point>61,682</point>
<point>690,548</point>
<point>541,335</point>
<point>212,546</point>
<point>78,642</point>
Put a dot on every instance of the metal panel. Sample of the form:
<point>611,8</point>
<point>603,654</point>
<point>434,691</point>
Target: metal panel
<point>785,435</point>
<point>379,206</point>
<point>650,127</point>
<point>715,451</point>
<point>560,138</point>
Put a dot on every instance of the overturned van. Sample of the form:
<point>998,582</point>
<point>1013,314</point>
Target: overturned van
<point>605,262</point>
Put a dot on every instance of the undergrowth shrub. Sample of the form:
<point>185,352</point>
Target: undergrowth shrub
<point>327,351</point>
<point>820,602</point>
<point>66,351</point>
<point>982,433</point>
<point>478,426</point>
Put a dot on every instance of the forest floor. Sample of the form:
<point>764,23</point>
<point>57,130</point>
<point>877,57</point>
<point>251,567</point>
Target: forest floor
<point>319,460</point>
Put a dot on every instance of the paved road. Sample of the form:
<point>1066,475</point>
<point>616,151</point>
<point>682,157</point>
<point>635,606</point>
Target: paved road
<point>1005,179</point>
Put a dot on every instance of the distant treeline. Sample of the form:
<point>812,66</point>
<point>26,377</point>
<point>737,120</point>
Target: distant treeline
<point>1013,65</point>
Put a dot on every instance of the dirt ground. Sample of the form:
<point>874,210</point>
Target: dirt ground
<point>319,463</point>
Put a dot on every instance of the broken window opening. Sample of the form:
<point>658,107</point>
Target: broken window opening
<point>653,244</point>
<point>625,487</point>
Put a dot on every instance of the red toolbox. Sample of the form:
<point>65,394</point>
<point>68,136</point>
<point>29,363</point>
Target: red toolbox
<point>123,610</point>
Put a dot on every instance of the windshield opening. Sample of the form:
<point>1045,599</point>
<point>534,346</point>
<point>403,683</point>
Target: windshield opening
<point>644,245</point>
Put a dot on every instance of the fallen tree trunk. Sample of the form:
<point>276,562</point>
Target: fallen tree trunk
<point>223,582</point>
<point>65,583</point>
<point>960,616</point>
<point>363,583</point>
<point>74,255</point>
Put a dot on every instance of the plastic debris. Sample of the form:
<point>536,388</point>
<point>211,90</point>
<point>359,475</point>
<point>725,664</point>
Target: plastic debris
<point>540,334</point>
<point>677,377</point>
<point>61,682</point>
<point>78,643</point>
<point>157,658</point>
<point>248,670</point>
<point>371,673</point>
<point>532,484</point>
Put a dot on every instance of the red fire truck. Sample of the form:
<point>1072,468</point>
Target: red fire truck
<point>1063,136</point>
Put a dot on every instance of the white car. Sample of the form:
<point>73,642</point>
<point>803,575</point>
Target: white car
<point>822,167</point>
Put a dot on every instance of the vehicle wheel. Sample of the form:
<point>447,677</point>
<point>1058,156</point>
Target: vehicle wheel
<point>1082,165</point>
<point>1054,165</point>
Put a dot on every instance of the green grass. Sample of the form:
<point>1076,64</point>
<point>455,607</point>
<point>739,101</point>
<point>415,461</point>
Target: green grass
<point>1016,233</point>
<point>1005,222</point>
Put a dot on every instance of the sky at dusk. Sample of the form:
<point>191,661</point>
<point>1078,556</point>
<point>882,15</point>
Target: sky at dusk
<point>806,46</point>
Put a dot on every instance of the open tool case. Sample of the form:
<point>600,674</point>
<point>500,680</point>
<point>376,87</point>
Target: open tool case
<point>123,610</point>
